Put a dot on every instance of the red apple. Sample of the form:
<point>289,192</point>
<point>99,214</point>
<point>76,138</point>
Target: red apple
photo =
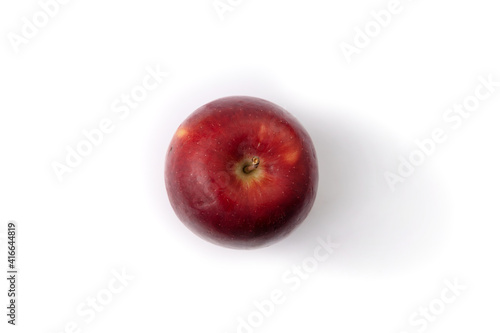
<point>241,172</point>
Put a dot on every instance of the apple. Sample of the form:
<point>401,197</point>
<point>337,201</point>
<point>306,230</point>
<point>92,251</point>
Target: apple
<point>241,172</point>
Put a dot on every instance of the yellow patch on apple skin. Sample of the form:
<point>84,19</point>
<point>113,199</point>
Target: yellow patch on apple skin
<point>292,156</point>
<point>181,132</point>
<point>262,131</point>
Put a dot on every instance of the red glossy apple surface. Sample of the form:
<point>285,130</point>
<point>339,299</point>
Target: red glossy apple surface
<point>241,172</point>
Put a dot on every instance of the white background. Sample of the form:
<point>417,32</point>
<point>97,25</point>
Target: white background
<point>397,248</point>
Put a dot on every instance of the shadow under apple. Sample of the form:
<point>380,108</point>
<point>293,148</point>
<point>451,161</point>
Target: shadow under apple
<point>376,228</point>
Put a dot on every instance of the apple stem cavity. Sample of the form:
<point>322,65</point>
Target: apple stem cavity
<point>251,167</point>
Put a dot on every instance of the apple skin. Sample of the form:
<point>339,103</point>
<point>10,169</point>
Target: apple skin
<point>212,194</point>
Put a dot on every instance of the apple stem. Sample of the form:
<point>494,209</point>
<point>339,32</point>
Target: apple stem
<point>253,166</point>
